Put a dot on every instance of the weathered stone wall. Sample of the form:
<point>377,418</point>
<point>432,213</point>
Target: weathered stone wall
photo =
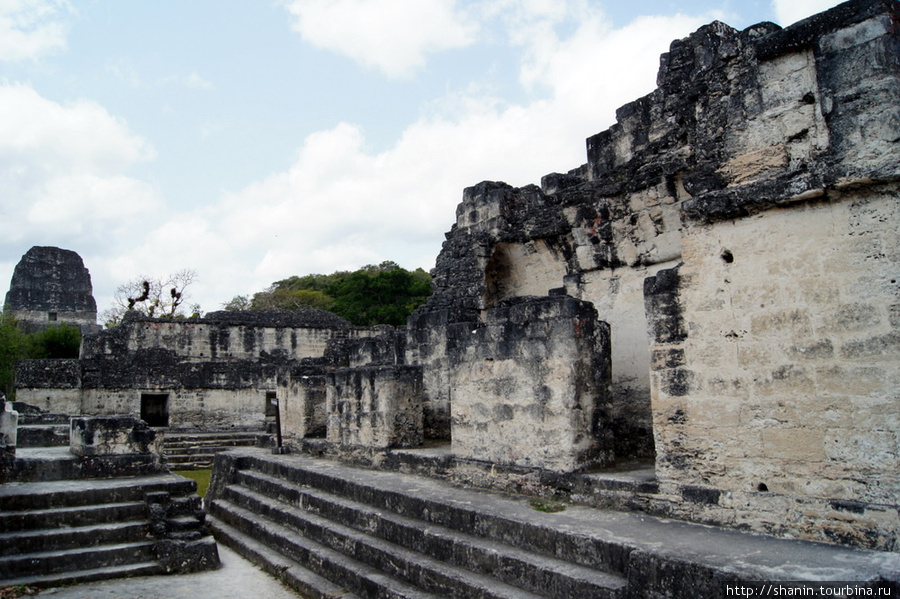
<point>427,346</point>
<point>785,372</point>
<point>52,385</point>
<point>375,407</point>
<point>215,372</point>
<point>531,386</point>
<point>226,336</point>
<point>303,405</point>
<point>202,409</point>
<point>756,190</point>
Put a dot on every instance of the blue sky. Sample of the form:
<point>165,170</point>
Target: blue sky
<point>252,140</point>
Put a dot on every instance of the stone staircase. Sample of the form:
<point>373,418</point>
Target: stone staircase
<point>64,531</point>
<point>190,450</point>
<point>330,530</point>
<point>42,429</point>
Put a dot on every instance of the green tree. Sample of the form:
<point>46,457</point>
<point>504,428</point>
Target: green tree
<point>57,342</point>
<point>375,294</point>
<point>383,294</point>
<point>291,299</point>
<point>14,346</point>
<point>238,303</point>
<point>63,341</point>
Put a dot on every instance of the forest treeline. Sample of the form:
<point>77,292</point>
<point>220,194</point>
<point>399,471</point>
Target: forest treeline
<point>375,294</point>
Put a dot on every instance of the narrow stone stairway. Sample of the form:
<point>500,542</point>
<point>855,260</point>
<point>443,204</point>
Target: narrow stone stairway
<point>189,450</point>
<point>63,531</point>
<point>330,530</point>
<point>42,429</point>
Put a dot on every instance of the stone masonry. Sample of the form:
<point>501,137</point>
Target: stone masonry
<point>51,286</point>
<point>712,298</point>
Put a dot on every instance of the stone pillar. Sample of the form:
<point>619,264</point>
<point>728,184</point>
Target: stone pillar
<point>9,422</point>
<point>376,407</point>
<point>530,388</point>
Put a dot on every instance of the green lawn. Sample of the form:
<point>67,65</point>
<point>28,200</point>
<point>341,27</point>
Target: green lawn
<point>201,476</point>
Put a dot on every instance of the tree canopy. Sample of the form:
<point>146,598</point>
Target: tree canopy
<point>61,341</point>
<point>375,294</point>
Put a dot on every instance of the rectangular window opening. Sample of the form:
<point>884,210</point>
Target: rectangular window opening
<point>155,408</point>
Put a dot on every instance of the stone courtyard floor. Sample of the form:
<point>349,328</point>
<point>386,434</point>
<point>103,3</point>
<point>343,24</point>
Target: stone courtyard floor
<point>237,579</point>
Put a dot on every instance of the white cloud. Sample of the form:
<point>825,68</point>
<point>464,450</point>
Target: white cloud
<point>391,35</point>
<point>790,11</point>
<point>62,171</point>
<point>29,28</point>
<point>340,206</point>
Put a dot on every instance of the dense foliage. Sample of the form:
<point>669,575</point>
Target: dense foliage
<point>382,294</point>
<point>63,341</point>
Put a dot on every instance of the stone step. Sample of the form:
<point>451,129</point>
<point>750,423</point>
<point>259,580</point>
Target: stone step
<point>85,492</point>
<point>57,539</point>
<point>187,443</point>
<point>175,437</point>
<point>46,464</point>
<point>205,465</point>
<point>205,447</point>
<point>42,435</point>
<point>148,568</point>
<point>358,578</point>
<point>305,582</point>
<point>655,557</point>
<point>478,513</point>
<point>25,520</point>
<point>511,565</point>
<point>43,418</point>
<point>55,562</point>
<point>212,446</point>
<point>179,458</point>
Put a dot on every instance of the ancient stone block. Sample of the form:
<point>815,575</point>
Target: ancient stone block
<point>375,407</point>
<point>531,387</point>
<point>112,436</point>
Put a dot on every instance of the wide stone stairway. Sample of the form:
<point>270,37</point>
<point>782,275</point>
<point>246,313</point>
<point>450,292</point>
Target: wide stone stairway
<point>62,531</point>
<point>98,506</point>
<point>331,530</point>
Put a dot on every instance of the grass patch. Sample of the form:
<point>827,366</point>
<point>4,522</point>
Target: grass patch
<point>547,506</point>
<point>201,476</point>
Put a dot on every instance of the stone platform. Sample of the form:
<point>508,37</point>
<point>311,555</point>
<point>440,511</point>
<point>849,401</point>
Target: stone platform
<point>327,528</point>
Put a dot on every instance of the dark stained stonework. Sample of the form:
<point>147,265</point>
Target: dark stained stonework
<point>309,318</point>
<point>50,286</point>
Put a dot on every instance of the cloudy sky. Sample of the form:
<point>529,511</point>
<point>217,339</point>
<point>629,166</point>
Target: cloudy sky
<point>252,140</point>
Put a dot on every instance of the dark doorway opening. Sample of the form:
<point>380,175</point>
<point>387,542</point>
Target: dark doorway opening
<point>271,404</point>
<point>155,408</point>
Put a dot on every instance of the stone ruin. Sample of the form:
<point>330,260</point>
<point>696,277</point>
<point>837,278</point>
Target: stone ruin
<point>711,298</point>
<point>50,286</point>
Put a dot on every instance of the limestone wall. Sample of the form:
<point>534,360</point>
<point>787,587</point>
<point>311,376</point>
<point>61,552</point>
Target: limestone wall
<point>530,388</point>
<point>790,365</point>
<point>204,409</point>
<point>222,338</point>
<point>375,407</point>
<point>737,229</point>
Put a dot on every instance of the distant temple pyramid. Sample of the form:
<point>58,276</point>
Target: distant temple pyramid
<point>50,286</point>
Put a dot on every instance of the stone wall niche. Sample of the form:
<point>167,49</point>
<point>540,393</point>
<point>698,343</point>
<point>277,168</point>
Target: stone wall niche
<point>375,407</point>
<point>530,387</point>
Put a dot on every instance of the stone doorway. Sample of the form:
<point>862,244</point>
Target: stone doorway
<point>155,409</point>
